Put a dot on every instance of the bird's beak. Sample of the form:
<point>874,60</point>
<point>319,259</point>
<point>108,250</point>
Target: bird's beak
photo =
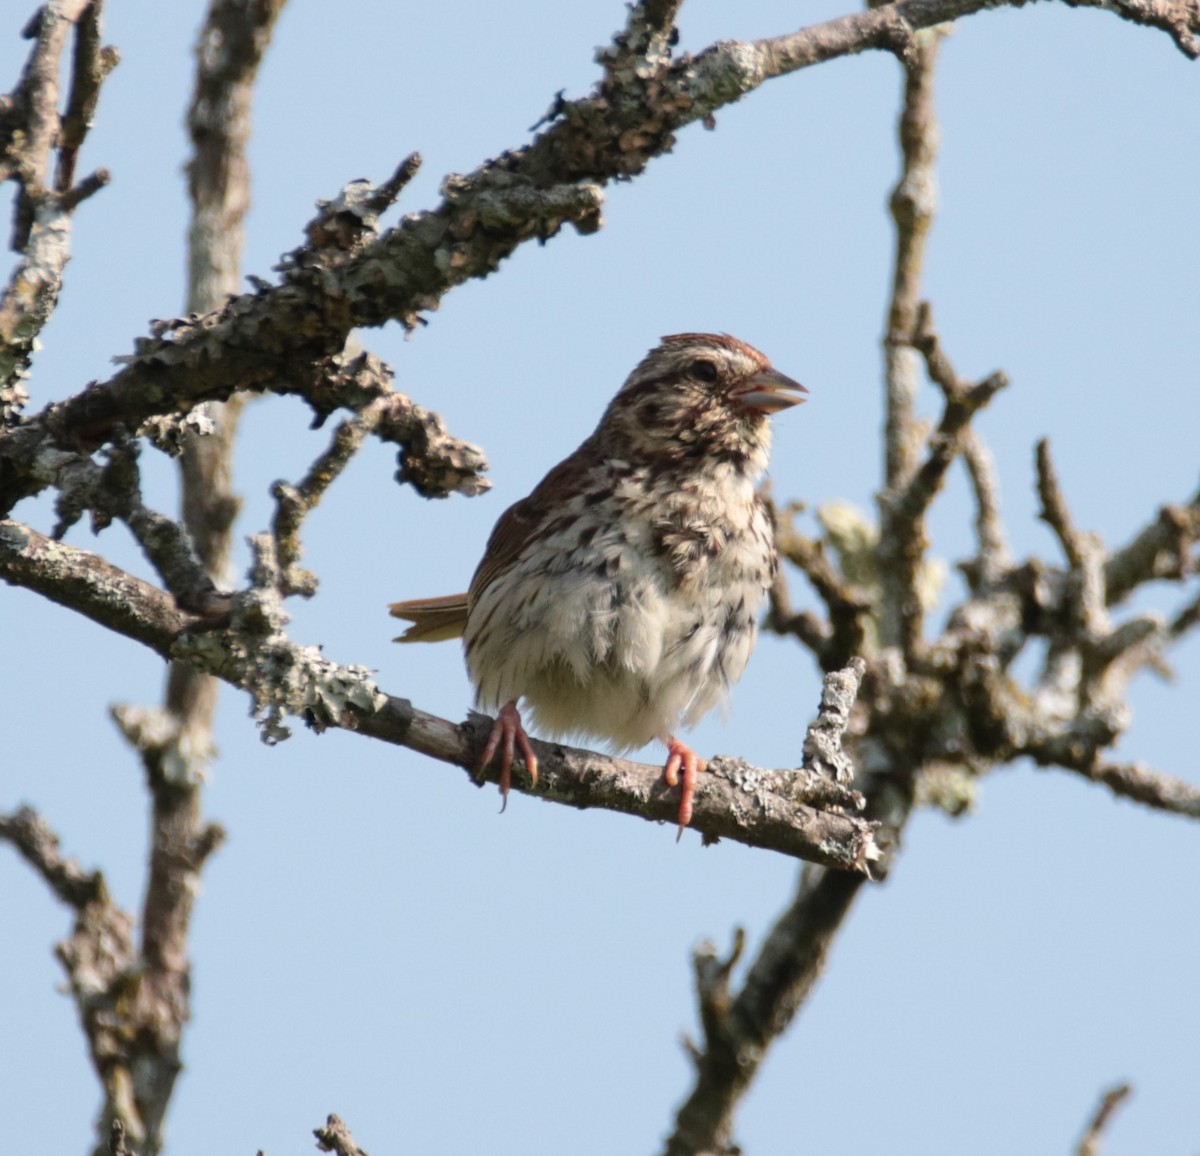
<point>769,391</point>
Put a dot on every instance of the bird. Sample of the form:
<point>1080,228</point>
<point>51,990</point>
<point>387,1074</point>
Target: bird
<point>619,601</point>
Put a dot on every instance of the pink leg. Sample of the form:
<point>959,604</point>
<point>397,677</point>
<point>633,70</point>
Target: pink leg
<point>681,757</point>
<point>508,730</point>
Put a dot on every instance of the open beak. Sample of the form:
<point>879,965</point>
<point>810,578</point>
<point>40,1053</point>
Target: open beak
<point>769,391</point>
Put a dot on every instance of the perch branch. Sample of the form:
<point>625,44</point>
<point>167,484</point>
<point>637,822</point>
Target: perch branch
<point>777,810</point>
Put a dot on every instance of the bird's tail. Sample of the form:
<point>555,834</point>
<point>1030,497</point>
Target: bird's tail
<point>433,619</point>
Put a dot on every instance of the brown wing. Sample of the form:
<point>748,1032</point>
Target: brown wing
<point>518,524</point>
<point>433,619</point>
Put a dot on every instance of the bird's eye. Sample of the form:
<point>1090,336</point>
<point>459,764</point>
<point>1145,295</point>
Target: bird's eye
<point>704,370</point>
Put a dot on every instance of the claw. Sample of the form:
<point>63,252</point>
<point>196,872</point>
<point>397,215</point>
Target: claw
<point>507,730</point>
<point>681,757</point>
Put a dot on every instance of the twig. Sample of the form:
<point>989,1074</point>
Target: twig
<point>115,1002</point>
<point>847,605</point>
<point>902,535</point>
<point>1187,619</point>
<point>1136,781</point>
<point>335,1137</point>
<point>1054,509</point>
<point>42,222</point>
<point>431,460</point>
<point>1089,1145</point>
<point>1161,551</point>
<point>823,744</point>
<point>294,503</point>
<point>387,194</point>
<point>91,64</point>
<point>993,556</point>
<point>31,835</point>
<point>1084,552</point>
<point>116,1141</point>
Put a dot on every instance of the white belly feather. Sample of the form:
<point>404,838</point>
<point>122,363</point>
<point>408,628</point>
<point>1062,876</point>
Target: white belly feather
<point>595,627</point>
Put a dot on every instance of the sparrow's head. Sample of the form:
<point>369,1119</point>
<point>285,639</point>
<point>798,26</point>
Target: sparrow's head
<point>698,394</point>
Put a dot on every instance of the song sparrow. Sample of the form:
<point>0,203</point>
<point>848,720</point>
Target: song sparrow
<point>620,599</point>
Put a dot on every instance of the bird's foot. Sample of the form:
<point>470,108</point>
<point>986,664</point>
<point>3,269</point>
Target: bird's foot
<point>681,757</point>
<point>508,735</point>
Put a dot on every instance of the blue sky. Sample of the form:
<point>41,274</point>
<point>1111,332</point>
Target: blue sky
<point>374,940</point>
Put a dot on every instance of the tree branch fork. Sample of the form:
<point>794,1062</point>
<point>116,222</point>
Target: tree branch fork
<point>952,703</point>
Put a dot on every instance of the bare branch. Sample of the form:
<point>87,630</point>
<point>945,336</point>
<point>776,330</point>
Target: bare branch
<point>913,202</point>
<point>1187,619</point>
<point>1136,781</point>
<point>993,554</point>
<point>434,462</point>
<point>91,64</point>
<point>1163,550</point>
<point>115,1006</point>
<point>891,27</point>
<point>902,536</point>
<point>1089,1145</point>
<point>335,1137</point>
<point>1084,552</point>
<point>29,135</point>
<point>738,1031</point>
<point>848,605</point>
<point>1054,509</point>
<point>38,845</point>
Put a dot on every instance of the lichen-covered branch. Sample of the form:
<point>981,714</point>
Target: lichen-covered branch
<point>31,132</point>
<point>86,583</point>
<point>267,337</point>
<point>799,813</point>
<point>113,491</point>
<point>435,463</point>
